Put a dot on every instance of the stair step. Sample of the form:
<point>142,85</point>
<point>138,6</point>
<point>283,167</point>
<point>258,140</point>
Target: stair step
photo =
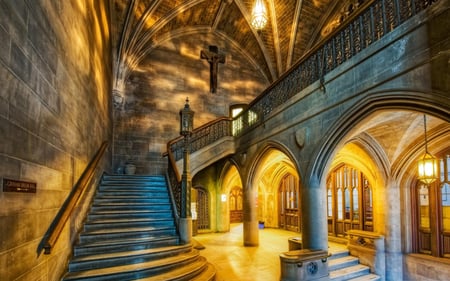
<point>126,223</point>
<point>130,214</point>
<point>103,260</point>
<point>191,273</point>
<point>135,271</point>
<point>132,200</point>
<point>132,206</point>
<point>368,277</point>
<point>125,244</point>
<point>131,194</point>
<point>133,178</point>
<point>125,233</point>
<point>338,254</point>
<point>350,272</point>
<point>130,234</point>
<point>208,274</point>
<point>338,263</point>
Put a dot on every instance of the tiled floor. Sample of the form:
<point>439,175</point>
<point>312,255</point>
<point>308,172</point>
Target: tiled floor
<point>234,262</point>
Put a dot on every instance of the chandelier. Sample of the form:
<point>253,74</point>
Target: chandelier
<point>259,15</point>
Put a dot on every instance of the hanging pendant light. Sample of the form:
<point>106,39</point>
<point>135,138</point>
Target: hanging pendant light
<point>259,15</point>
<point>427,164</point>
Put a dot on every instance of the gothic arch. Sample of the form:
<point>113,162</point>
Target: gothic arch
<point>268,169</point>
<point>412,101</point>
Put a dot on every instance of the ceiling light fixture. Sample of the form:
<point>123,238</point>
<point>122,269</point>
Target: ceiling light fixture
<point>427,164</point>
<point>259,15</point>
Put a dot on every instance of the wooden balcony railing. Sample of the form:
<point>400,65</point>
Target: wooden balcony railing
<point>71,202</point>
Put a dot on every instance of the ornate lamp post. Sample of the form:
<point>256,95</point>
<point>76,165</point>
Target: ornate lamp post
<point>186,126</point>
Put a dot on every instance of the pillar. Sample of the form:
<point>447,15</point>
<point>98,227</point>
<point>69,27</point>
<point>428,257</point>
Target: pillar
<point>251,230</point>
<point>314,216</point>
<point>393,233</point>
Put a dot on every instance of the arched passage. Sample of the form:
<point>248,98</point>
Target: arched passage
<point>275,182</point>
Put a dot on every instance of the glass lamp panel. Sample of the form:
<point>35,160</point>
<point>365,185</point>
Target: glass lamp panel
<point>424,204</point>
<point>445,202</point>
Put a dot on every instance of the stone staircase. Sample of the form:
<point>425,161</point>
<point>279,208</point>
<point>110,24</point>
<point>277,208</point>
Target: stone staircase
<point>130,234</point>
<point>342,267</point>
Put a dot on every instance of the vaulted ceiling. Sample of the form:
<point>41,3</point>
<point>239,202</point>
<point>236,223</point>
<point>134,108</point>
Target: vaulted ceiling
<point>293,27</point>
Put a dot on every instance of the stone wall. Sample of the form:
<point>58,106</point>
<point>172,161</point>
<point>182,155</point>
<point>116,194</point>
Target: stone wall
<point>55,111</point>
<point>157,90</point>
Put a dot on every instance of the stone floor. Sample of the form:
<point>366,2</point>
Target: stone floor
<point>234,262</point>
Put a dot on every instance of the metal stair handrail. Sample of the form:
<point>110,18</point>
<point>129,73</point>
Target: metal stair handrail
<point>66,210</point>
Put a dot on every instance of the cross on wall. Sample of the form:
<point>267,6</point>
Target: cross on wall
<point>213,57</point>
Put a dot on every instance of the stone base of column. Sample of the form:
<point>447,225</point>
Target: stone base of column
<point>185,227</point>
<point>251,234</point>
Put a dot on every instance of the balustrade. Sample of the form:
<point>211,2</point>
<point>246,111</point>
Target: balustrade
<point>361,29</point>
<point>375,19</point>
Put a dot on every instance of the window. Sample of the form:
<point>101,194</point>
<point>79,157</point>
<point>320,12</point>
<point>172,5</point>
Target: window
<point>349,201</point>
<point>432,206</point>
<point>289,197</point>
<point>236,204</point>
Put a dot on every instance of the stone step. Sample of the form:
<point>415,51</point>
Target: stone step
<point>102,260</point>
<point>125,233</point>
<point>124,244</point>
<point>138,270</point>
<point>134,180</point>
<point>127,223</point>
<point>134,177</point>
<point>130,234</point>
<point>132,186</point>
<point>163,207</point>
<point>198,271</point>
<point>131,193</point>
<point>133,200</point>
<point>338,263</point>
<point>335,254</point>
<point>368,277</point>
<point>128,214</point>
<point>350,272</point>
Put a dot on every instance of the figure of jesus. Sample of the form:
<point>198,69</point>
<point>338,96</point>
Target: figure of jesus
<point>213,58</point>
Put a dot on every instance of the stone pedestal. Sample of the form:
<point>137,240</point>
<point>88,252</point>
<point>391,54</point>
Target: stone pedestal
<point>304,265</point>
<point>185,227</point>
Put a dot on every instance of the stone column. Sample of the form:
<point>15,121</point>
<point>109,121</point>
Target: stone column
<point>393,233</point>
<point>251,231</point>
<point>314,216</point>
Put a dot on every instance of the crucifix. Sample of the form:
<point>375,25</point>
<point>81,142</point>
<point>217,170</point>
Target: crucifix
<point>213,57</point>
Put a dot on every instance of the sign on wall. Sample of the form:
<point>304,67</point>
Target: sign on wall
<point>11,185</point>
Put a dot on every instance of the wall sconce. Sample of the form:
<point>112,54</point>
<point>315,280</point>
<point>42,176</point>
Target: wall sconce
<point>224,198</point>
<point>427,164</point>
<point>259,15</point>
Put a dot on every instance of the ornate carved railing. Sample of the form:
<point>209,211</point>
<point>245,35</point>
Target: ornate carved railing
<point>201,137</point>
<point>372,21</point>
<point>71,202</point>
<point>368,24</point>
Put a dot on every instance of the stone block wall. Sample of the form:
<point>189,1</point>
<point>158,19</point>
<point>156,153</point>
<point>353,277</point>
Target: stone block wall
<point>157,90</point>
<point>55,111</point>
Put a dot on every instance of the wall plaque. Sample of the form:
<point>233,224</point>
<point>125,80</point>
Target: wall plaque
<point>10,185</point>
